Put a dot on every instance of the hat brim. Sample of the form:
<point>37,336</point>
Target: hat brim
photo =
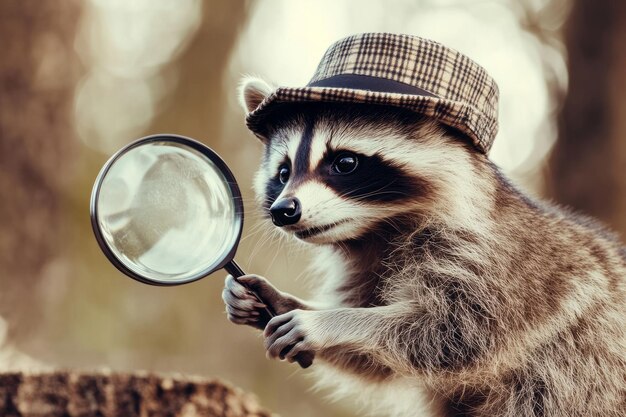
<point>460,116</point>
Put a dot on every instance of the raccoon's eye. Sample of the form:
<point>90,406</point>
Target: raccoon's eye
<point>283,174</point>
<point>345,163</point>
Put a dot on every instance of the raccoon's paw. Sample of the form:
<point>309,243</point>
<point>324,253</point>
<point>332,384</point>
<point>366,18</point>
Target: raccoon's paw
<point>289,334</point>
<point>280,302</point>
<point>242,307</point>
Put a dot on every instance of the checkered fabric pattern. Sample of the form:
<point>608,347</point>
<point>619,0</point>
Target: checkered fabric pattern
<point>458,92</point>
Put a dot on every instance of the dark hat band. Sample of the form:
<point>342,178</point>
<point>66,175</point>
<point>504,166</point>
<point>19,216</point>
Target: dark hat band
<point>369,83</point>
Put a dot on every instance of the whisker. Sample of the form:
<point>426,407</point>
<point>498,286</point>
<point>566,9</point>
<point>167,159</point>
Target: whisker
<point>260,243</point>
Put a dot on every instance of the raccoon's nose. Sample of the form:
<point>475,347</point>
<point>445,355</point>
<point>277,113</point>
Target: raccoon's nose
<point>286,211</point>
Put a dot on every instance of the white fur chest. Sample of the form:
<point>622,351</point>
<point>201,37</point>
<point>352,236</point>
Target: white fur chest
<point>397,397</point>
<point>329,271</point>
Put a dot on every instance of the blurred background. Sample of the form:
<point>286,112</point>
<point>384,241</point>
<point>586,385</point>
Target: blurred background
<point>80,79</point>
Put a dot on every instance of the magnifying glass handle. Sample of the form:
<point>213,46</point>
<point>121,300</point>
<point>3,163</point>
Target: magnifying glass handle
<point>304,359</point>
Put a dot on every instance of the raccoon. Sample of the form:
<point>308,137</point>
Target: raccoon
<point>441,288</point>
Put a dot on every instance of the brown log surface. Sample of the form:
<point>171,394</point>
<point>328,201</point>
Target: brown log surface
<point>106,394</point>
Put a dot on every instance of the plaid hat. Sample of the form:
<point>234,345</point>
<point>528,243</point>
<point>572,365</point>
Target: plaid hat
<point>404,71</point>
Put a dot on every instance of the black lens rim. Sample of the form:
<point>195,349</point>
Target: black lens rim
<point>205,151</point>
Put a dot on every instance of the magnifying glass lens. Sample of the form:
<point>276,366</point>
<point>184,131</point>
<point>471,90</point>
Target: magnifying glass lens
<point>166,212</point>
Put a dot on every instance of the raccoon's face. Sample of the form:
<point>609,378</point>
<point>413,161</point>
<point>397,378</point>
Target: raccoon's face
<point>331,173</point>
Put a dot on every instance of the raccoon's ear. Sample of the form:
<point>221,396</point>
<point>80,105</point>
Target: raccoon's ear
<point>252,91</point>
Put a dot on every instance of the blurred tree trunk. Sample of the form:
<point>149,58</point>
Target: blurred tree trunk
<point>200,96</point>
<point>74,394</point>
<point>588,164</point>
<point>38,71</point>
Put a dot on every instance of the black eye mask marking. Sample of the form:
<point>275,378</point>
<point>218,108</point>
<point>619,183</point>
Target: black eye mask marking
<point>274,187</point>
<point>272,191</point>
<point>374,180</point>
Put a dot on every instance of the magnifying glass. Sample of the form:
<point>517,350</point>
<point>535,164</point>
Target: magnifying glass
<point>166,210</point>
